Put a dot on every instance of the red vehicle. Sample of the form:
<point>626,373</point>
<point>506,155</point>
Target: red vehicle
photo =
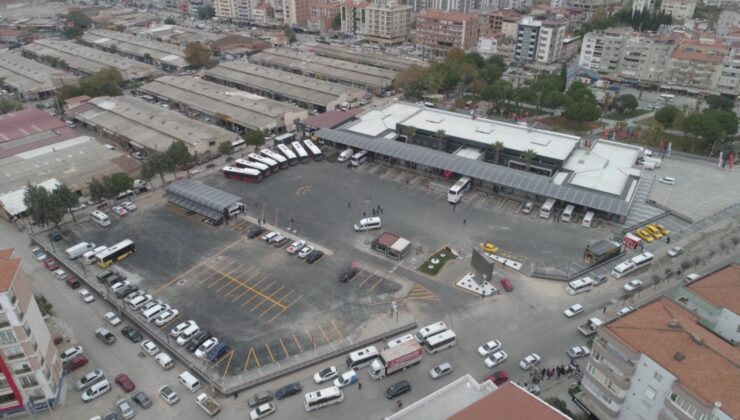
<point>499,377</point>
<point>76,363</point>
<point>51,264</point>
<point>73,282</point>
<point>125,382</point>
<point>506,284</point>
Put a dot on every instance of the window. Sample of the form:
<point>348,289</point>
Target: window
<point>7,337</point>
<point>7,398</point>
<point>597,356</point>
<point>658,377</point>
<point>650,393</point>
<point>28,381</point>
<point>3,383</point>
<point>22,367</point>
<point>14,352</point>
<point>12,297</point>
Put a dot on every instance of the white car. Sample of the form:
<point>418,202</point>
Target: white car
<point>86,296</point>
<point>179,328</point>
<point>89,379</point>
<point>529,361</point>
<point>119,211</point>
<point>346,379</point>
<point>261,411</point>
<point>489,347</point>
<point>119,285</point>
<point>305,251</point>
<point>625,310</point>
<point>61,274</point>
<point>149,347</point>
<point>71,353</point>
<point>633,285</point>
<point>441,370</point>
<point>324,375</point>
<point>127,412</point>
<point>129,206</point>
<point>166,316</point>
<point>168,394</point>
<point>573,310</point>
<point>206,347</point>
<point>496,358</point>
<point>267,237</point>
<point>578,351</point>
<point>112,318</point>
<point>38,254</point>
<point>668,180</point>
<point>295,247</point>
<point>675,251</point>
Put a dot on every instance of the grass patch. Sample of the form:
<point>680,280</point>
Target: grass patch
<point>627,115</point>
<point>436,268</point>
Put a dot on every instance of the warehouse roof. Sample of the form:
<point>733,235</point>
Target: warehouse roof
<point>200,198</point>
<point>28,76</point>
<point>137,46</point>
<point>384,61</point>
<point>89,60</point>
<point>496,174</point>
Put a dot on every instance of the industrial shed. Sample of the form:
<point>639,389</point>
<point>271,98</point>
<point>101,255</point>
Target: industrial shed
<point>209,202</point>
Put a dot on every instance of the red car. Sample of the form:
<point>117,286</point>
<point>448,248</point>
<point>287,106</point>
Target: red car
<point>125,382</point>
<point>499,377</point>
<point>73,282</point>
<point>506,284</point>
<point>51,264</point>
<point>76,363</point>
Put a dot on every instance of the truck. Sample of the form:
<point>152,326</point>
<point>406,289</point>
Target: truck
<point>589,327</point>
<point>396,359</point>
<point>208,404</point>
<point>78,250</point>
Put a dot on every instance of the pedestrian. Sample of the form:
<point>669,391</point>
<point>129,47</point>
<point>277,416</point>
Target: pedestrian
<point>372,211</point>
<point>543,374</point>
<point>381,210</point>
<point>453,207</point>
<point>668,239</point>
<point>359,386</point>
<point>257,204</point>
<point>349,205</point>
<point>236,394</point>
<point>482,294</point>
<point>465,221</point>
<point>363,214</point>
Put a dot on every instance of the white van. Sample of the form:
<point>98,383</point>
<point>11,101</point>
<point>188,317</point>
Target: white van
<point>152,312</point>
<point>588,219</point>
<point>96,390</point>
<point>100,218</point>
<point>345,155</point>
<point>368,224</point>
<point>78,250</point>
<point>89,256</point>
<point>187,334</point>
<point>165,361</point>
<point>567,213</point>
<point>189,381</point>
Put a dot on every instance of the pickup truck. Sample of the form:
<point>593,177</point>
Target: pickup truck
<point>208,404</point>
<point>589,327</point>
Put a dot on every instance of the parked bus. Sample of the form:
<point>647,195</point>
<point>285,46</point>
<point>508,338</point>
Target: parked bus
<point>581,285</point>
<point>441,341</point>
<point>284,138</point>
<point>567,213</point>
<point>300,151</point>
<point>265,161</point>
<point>242,174</point>
<point>424,333</point>
<point>115,253</point>
<point>238,145</point>
<point>323,398</point>
<point>285,150</point>
<point>243,163</point>
<point>359,158</point>
<point>633,264</point>
<point>313,149</point>
<point>457,191</point>
<point>282,162</point>
<point>546,209</point>
<point>398,341</point>
<point>667,98</point>
<point>361,358</point>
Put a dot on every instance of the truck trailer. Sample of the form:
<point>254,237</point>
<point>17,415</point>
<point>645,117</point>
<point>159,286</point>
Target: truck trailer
<point>396,359</point>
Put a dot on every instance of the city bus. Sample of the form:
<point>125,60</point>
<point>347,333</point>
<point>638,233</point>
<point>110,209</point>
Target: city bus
<point>238,145</point>
<point>285,150</point>
<point>359,158</point>
<point>284,138</point>
<point>666,98</point>
<point>457,191</point>
<point>361,358</point>
<point>115,253</point>
<point>277,157</point>
<point>313,149</point>
<point>243,163</point>
<point>300,151</point>
<point>633,264</point>
<point>441,341</point>
<point>546,209</point>
<point>242,174</point>
<point>264,160</point>
<point>323,398</point>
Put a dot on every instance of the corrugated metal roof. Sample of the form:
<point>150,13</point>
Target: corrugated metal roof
<point>200,198</point>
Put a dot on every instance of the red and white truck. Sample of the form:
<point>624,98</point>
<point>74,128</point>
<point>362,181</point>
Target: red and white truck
<point>396,359</point>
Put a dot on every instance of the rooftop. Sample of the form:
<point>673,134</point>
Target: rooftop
<point>447,400</point>
<point>127,44</point>
<point>13,202</point>
<point>444,15</point>
<point>705,365</point>
<point>332,119</point>
<point>8,269</point>
<point>365,57</point>
<point>28,76</point>
<point>607,167</point>
<point>721,288</point>
<point>21,124</point>
<point>511,402</point>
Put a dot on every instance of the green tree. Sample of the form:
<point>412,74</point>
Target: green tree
<point>667,115</point>
<point>206,12</point>
<point>254,137</point>
<point>553,100</point>
<point>120,28</point>
<point>290,33</point>
<point>528,156</point>
<point>336,23</point>
<point>476,59</point>
<point>170,21</point>
<point>9,105</point>
<point>455,56</point>
<point>66,199</point>
<point>626,103</point>
<point>580,93</point>
<point>118,183</point>
<point>36,200</point>
<point>157,163</point>
<point>719,102</point>
<point>699,126</point>
<point>97,190</point>
<point>105,82</point>
<point>199,56</point>
<point>226,148</point>
<point>498,149</point>
<point>501,90</point>
<point>582,111</point>
<point>79,23</point>
<point>524,94</point>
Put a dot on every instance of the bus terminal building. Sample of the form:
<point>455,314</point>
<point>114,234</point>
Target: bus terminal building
<point>519,160</point>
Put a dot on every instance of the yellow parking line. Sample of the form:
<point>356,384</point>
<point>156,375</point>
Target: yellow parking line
<point>353,277</point>
<point>298,343</point>
<point>324,334</point>
<point>270,353</point>
<point>377,283</point>
<point>358,275</point>
<point>233,290</point>
<point>311,337</point>
<point>258,294</point>
<point>336,329</point>
<point>228,364</point>
<point>218,362</point>
<point>224,285</point>
<point>273,305</point>
<point>251,353</point>
<point>174,279</point>
<point>270,298</point>
<point>285,308</point>
<point>222,273</point>
<point>247,290</point>
<point>368,278</point>
<point>284,349</point>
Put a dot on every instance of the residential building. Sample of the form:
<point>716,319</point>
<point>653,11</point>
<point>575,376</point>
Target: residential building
<point>239,10</point>
<point>550,41</point>
<point>386,22</point>
<point>30,369</point>
<point>497,45</point>
<point>601,50</point>
<point>571,47</point>
<point>679,9</point>
<point>492,22</point>
<point>262,14</point>
<point>729,80</point>
<point>644,57</point>
<point>527,37</point>
<point>295,12</point>
<point>10,36</point>
<point>438,31</point>
<point>591,6</point>
<point>660,362</point>
<point>696,65</point>
<point>640,5</point>
<point>462,6</point>
<point>728,21</point>
<point>715,299</point>
<point>321,15</point>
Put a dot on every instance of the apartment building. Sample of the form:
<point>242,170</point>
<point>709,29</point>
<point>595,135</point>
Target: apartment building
<point>30,369</point>
<point>321,15</point>
<point>491,23</point>
<point>235,9</point>
<point>729,20</point>
<point>679,9</point>
<point>462,6</point>
<point>295,12</point>
<point>438,31</point>
<point>601,50</point>
<point>644,57</point>
<point>696,65</point>
<point>659,362</point>
<point>527,38</point>
<point>386,22</point>
<point>550,42</point>
<point>262,14</point>
<point>729,80</point>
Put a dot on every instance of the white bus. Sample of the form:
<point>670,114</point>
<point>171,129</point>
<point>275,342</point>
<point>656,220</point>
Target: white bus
<point>633,264</point>
<point>441,341</point>
<point>423,334</point>
<point>323,398</point>
<point>284,138</point>
<point>581,285</point>
<point>457,191</point>
<point>313,149</point>
<point>398,341</point>
<point>89,256</point>
<point>264,160</point>
<point>567,213</point>
<point>359,158</point>
<point>300,151</point>
<point>242,174</point>
<point>100,218</point>
<point>285,150</point>
<point>361,358</point>
<point>243,163</point>
<point>546,209</point>
<point>667,98</point>
<point>277,157</point>
<point>238,145</point>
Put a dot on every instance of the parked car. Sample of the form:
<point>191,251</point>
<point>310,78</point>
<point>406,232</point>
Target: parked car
<point>440,370</point>
<point>277,238</point>
<point>89,379</point>
<point>125,291</point>
<point>288,390</point>
<point>529,361</point>
<point>578,351</point>
<point>54,235</point>
<point>105,336</point>
<point>305,251</point>
<point>625,310</point>
<point>295,247</point>
<point>197,340</point>
<point>71,353</point>
<point>528,207</point>
<point>119,211</point>
<point>675,251</point>
<point>60,274</point>
<point>125,408</point>
<point>573,310</point>
<point>600,279</point>
<point>166,317</point>
<point>125,382</point>
<point>38,254</point>
<point>325,375</point>
<point>75,363</point>
<point>348,275</point>
<point>507,284</point>
<point>149,347</point>
<point>254,232</point>
<point>204,348</point>
<point>489,347</point>
<point>267,237</point>
<point>73,283</point>
<point>262,411</point>
<point>314,256</point>
<point>668,180</point>
<point>86,296</point>
<point>633,285</point>
<point>129,206</point>
<point>112,318</point>
<point>168,394</point>
<point>397,389</point>
<point>495,358</point>
<point>498,377</point>
<point>260,398</point>
<point>142,399</point>
<point>119,285</point>
<point>281,242</point>
<point>51,264</point>
<point>179,328</point>
<point>132,333</point>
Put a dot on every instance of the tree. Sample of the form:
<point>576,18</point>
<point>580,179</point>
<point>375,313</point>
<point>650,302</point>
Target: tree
<point>254,137</point>
<point>206,12</point>
<point>498,149</point>
<point>553,100</point>
<point>118,183</point>
<point>582,111</point>
<point>120,28</point>
<point>97,190</point>
<point>525,94</point>
<point>170,21</point>
<point>719,102</point>
<point>290,33</point>
<point>667,115</point>
<point>157,163</point>
<point>77,22</point>
<point>35,199</point>
<point>66,199</point>
<point>728,123</point>
<point>9,105</point>
<point>528,156</point>
<point>179,154</point>
<point>105,82</point>
<point>701,126</point>
<point>580,93</point>
<point>336,23</point>
<point>226,148</point>
<point>626,103</point>
<point>199,56</point>
<point>561,405</point>
<point>455,56</point>
<point>501,90</point>
<point>476,59</point>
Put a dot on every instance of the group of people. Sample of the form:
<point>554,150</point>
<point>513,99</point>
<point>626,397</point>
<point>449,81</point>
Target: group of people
<point>569,370</point>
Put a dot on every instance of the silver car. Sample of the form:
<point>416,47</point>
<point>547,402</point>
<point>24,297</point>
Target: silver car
<point>127,412</point>
<point>89,379</point>
<point>440,371</point>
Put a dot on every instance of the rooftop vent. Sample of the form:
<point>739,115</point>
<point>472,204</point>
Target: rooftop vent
<point>697,339</point>
<point>679,356</point>
<point>674,323</point>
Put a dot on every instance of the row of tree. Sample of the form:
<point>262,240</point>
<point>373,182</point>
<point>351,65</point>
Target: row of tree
<point>47,208</point>
<point>77,23</point>
<point>643,20</point>
<point>105,82</point>
<point>714,126</point>
<point>9,105</point>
